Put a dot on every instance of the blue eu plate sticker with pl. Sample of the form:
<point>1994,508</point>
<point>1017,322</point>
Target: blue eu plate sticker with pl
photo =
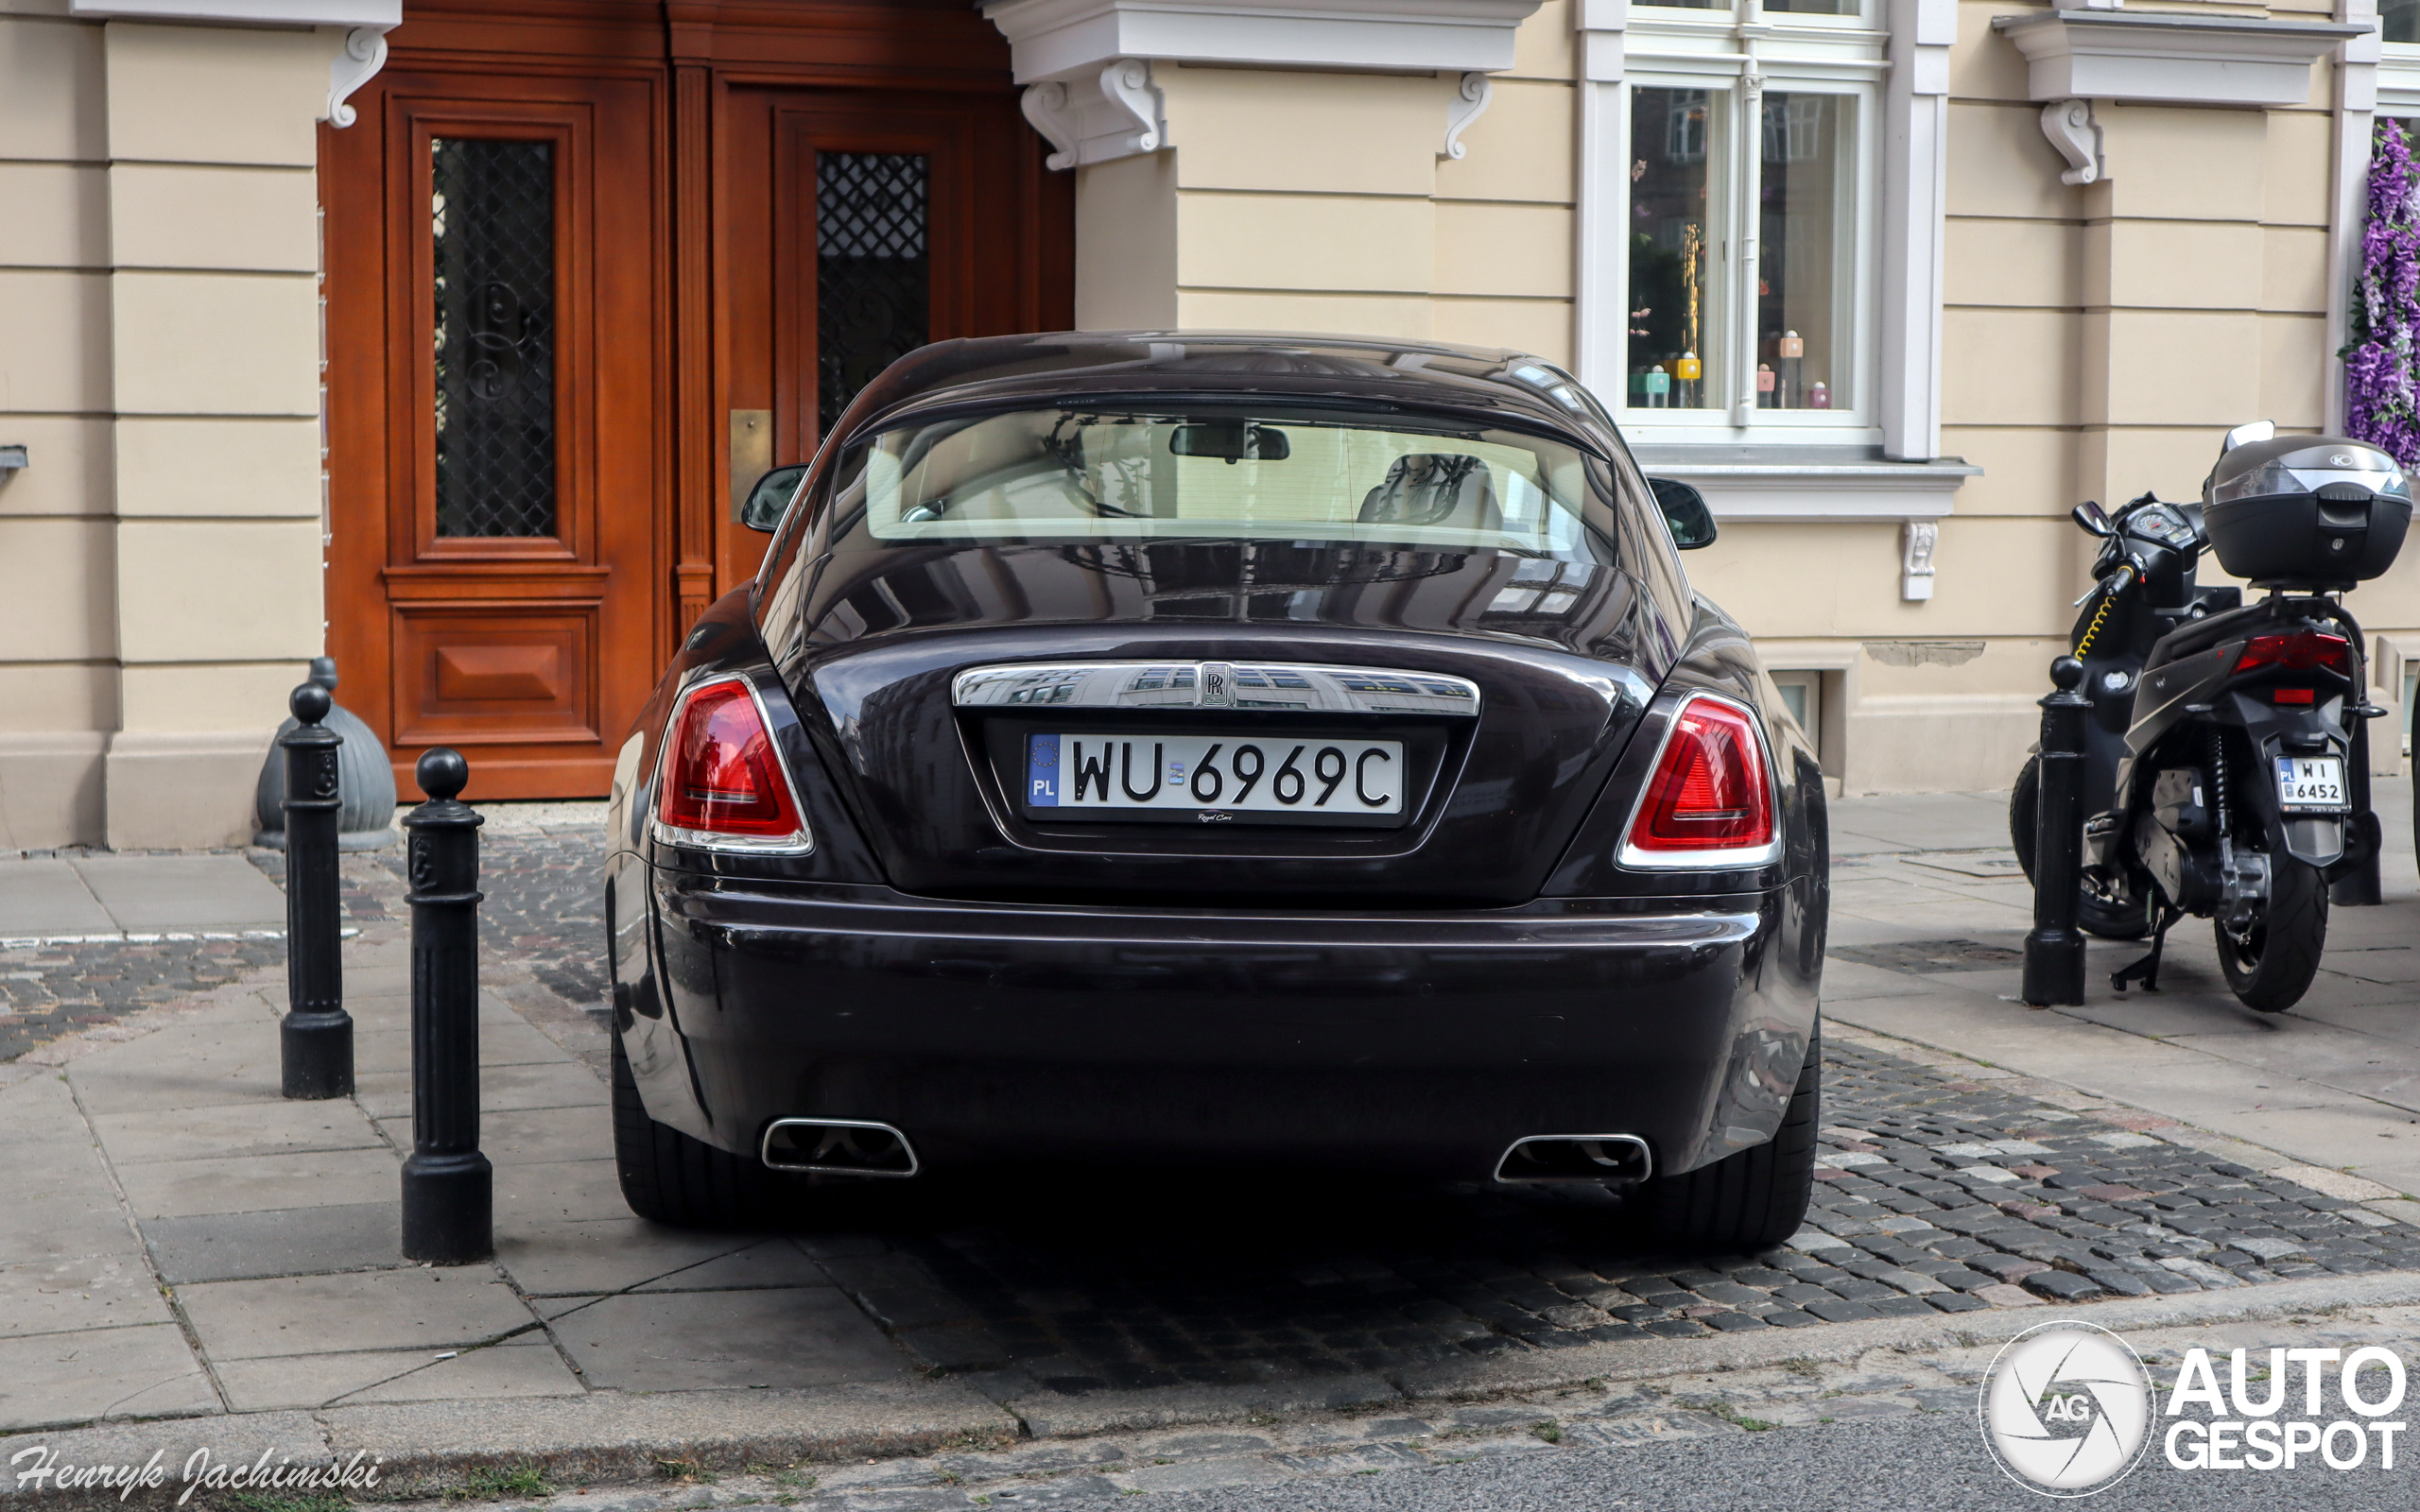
<point>1041,772</point>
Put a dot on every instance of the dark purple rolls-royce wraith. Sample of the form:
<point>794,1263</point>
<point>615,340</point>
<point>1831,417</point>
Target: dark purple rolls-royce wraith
<point>1249,750</point>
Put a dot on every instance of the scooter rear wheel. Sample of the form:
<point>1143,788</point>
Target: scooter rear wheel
<point>2270,967</point>
<point>2094,917</point>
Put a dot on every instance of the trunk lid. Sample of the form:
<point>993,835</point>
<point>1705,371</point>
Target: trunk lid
<point>1345,647</point>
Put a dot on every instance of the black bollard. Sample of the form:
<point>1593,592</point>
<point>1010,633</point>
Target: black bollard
<point>315,1038</point>
<point>2361,887</point>
<point>2054,951</point>
<point>449,1200</point>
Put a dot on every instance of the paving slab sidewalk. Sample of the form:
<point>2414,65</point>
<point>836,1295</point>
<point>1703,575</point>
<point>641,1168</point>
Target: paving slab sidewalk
<point>100,897</point>
<point>1927,947</point>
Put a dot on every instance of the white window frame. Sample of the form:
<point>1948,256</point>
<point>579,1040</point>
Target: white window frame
<point>1893,57</point>
<point>1733,417</point>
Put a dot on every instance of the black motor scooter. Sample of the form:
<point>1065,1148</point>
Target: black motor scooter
<point>2227,756</point>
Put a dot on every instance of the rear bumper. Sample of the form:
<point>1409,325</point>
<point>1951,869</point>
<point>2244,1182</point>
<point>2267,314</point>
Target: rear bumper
<point>1423,1043</point>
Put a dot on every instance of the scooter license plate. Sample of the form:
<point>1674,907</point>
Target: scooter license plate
<point>2311,784</point>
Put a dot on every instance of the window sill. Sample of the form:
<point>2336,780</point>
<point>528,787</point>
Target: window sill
<point>1810,484</point>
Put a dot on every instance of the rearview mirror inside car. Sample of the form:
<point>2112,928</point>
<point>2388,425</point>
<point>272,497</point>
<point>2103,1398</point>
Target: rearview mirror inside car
<point>770,497</point>
<point>2093,518</point>
<point>1685,513</point>
<point>1230,441</point>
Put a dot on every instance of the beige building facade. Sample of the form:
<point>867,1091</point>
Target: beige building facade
<point>1895,281</point>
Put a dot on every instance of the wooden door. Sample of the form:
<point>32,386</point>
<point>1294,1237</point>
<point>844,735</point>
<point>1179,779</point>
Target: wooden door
<point>861,224</point>
<point>495,365</point>
<point>584,283</point>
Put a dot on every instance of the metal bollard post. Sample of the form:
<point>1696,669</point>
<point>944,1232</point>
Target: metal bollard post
<point>2054,951</point>
<point>2361,887</point>
<point>449,1198</point>
<point>315,1038</point>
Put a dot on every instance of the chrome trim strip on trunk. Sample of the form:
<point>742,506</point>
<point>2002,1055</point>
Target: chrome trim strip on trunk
<point>1261,687</point>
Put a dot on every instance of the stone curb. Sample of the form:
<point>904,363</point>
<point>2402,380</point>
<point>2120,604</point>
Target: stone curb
<point>424,1449</point>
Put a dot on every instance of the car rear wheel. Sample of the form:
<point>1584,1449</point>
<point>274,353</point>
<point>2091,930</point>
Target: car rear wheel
<point>1754,1198</point>
<point>670,1178</point>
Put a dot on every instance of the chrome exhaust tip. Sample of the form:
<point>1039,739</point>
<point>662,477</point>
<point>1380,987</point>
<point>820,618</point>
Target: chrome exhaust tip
<point>838,1146</point>
<point>1621,1159</point>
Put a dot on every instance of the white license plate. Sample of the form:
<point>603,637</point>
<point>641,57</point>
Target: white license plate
<point>1249,774</point>
<point>2309,782</point>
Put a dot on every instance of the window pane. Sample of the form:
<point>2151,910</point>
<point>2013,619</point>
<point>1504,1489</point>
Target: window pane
<point>1221,473</point>
<point>872,283</point>
<point>1677,136</point>
<point>492,217</point>
<point>1815,8</point>
<point>2399,20</point>
<point>1803,320</point>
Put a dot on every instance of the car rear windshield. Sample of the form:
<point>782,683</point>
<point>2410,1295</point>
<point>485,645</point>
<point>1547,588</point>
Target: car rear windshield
<point>1103,473</point>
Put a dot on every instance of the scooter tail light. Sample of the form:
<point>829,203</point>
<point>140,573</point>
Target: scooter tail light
<point>721,783</point>
<point>1710,799</point>
<point>2305,651</point>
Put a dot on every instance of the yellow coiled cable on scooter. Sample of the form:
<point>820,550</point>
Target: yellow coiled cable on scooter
<point>2094,628</point>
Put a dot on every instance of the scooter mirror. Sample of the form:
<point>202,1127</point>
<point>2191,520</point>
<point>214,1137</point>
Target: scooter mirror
<point>2094,519</point>
<point>2259,430</point>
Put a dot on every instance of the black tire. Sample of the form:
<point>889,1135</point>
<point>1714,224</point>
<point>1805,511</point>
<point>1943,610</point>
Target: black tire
<point>1751,1200</point>
<point>2271,966</point>
<point>670,1178</point>
<point>2093,916</point>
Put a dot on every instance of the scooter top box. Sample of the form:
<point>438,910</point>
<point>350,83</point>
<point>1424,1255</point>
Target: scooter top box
<point>2309,512</point>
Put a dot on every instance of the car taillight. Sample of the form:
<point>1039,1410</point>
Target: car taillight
<point>1710,799</point>
<point>2298,653</point>
<point>721,782</point>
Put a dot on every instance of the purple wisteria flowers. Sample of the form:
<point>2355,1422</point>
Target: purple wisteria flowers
<point>2380,390</point>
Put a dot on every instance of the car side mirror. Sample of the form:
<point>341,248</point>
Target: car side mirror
<point>2259,430</point>
<point>2093,519</point>
<point>1685,513</point>
<point>770,497</point>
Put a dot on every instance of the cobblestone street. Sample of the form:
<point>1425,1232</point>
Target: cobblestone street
<point>1939,1194</point>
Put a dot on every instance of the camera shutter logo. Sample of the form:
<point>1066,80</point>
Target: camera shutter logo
<point>2067,1409</point>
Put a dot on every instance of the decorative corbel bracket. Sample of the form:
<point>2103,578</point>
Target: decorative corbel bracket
<point>1917,540</point>
<point>1100,120</point>
<point>364,54</point>
<point>1470,102</point>
<point>2070,125</point>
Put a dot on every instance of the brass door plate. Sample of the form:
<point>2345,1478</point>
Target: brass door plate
<point>752,452</point>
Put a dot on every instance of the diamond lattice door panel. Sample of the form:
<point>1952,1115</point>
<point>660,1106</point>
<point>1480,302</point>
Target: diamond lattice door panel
<point>492,234</point>
<point>872,276</point>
